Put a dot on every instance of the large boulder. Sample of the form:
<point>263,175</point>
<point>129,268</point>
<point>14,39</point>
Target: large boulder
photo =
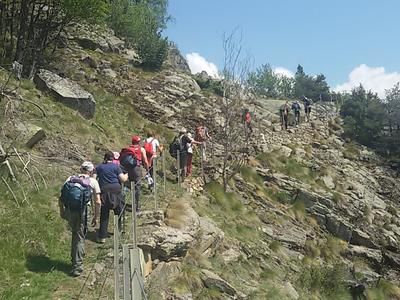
<point>67,92</point>
<point>213,281</point>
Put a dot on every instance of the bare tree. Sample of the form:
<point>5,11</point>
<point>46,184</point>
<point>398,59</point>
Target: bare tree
<point>235,91</point>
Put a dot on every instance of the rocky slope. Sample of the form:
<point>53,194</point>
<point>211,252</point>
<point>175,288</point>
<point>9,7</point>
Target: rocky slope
<point>310,216</point>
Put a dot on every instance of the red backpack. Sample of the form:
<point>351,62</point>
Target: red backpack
<point>148,147</point>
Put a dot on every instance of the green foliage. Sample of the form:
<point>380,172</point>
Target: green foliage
<point>384,290</point>
<point>92,11</point>
<point>312,87</point>
<point>326,281</point>
<point>141,23</point>
<point>364,116</point>
<point>264,81</point>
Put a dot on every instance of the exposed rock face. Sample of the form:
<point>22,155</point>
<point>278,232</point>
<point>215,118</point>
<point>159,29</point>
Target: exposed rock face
<point>176,60</point>
<point>213,281</point>
<point>104,40</point>
<point>67,92</point>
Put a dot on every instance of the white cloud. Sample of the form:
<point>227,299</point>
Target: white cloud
<point>374,79</point>
<point>198,63</point>
<point>283,71</point>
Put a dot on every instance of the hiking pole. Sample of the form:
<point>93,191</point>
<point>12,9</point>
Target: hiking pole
<point>116,258</point>
<point>154,181</point>
<point>134,236</point>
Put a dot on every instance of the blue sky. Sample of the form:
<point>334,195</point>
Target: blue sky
<point>337,38</point>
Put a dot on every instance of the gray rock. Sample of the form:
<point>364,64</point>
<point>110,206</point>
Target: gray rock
<point>213,281</point>
<point>361,238</point>
<point>176,60</point>
<point>109,73</point>
<point>372,255</point>
<point>291,291</point>
<point>392,259</point>
<point>210,236</point>
<point>30,134</point>
<point>67,92</point>
<point>158,281</point>
<point>328,181</point>
<point>338,227</point>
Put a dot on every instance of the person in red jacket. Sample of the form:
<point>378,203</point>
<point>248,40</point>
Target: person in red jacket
<point>132,159</point>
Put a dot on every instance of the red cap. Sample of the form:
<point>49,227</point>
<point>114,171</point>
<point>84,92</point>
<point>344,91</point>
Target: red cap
<point>135,139</point>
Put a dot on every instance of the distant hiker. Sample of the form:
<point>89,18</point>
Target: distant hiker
<point>132,159</point>
<point>116,158</point>
<point>179,147</point>
<point>247,122</point>
<point>76,193</point>
<point>284,115</point>
<point>202,136</point>
<point>296,109</point>
<point>307,107</point>
<point>152,148</point>
<point>110,178</point>
<point>190,147</point>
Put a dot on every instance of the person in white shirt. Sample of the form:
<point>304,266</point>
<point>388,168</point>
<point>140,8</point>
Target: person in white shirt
<point>153,150</point>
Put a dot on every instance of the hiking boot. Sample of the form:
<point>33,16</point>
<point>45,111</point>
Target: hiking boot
<point>76,272</point>
<point>101,240</point>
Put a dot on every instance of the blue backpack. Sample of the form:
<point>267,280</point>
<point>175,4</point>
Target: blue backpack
<point>76,193</point>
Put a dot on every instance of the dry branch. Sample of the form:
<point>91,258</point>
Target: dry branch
<point>12,192</point>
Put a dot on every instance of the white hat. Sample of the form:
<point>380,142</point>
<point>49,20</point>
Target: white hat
<point>87,166</point>
<point>183,130</point>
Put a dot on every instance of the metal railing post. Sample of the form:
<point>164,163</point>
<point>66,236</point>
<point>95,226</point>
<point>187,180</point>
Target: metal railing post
<point>178,160</point>
<point>164,174</point>
<point>116,259</point>
<point>134,204</point>
<point>154,181</point>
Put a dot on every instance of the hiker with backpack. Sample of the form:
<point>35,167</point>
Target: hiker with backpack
<point>284,115</point>
<point>307,107</point>
<point>202,136</point>
<point>76,194</point>
<point>296,108</point>
<point>110,178</point>
<point>152,147</point>
<point>190,147</point>
<point>132,159</point>
<point>247,123</point>
<point>180,146</point>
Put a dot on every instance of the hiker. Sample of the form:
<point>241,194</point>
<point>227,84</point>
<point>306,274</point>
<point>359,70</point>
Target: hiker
<point>180,146</point>
<point>152,147</point>
<point>202,136</point>
<point>307,107</point>
<point>132,159</point>
<point>284,115</point>
<point>190,147</point>
<point>110,178</point>
<point>296,108</point>
<point>76,194</point>
<point>247,122</point>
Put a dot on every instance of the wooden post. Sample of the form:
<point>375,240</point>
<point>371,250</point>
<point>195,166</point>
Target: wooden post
<point>116,259</point>
<point>126,271</point>
<point>136,275</point>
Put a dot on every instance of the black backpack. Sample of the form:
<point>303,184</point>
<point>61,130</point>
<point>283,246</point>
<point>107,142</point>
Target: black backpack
<point>76,193</point>
<point>176,146</point>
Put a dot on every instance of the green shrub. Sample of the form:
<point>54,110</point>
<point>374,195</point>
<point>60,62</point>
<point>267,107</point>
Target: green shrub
<point>141,26</point>
<point>328,281</point>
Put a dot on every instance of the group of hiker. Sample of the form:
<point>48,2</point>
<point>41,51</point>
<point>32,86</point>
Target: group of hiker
<point>102,187</point>
<point>285,109</point>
